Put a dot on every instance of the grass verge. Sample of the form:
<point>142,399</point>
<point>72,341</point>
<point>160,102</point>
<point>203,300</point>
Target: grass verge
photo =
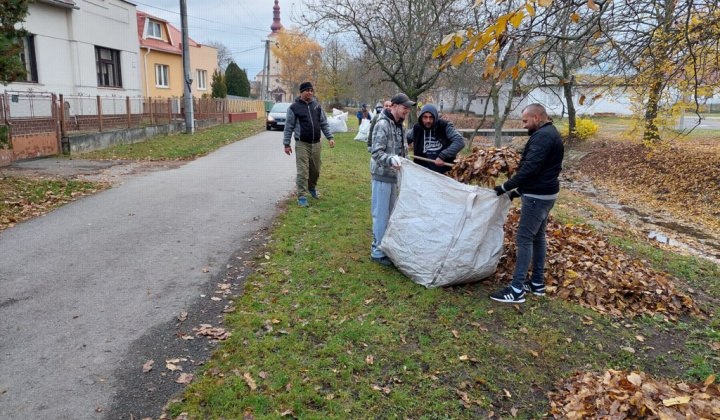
<point>321,332</point>
<point>24,198</point>
<point>181,146</point>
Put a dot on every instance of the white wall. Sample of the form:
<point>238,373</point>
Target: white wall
<point>65,41</point>
<point>611,101</point>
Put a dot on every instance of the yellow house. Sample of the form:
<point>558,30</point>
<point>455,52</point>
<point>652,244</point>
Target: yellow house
<point>161,61</point>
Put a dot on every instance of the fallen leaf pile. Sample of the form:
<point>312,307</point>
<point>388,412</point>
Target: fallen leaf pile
<point>24,198</point>
<point>621,395</point>
<point>582,267</point>
<point>683,179</point>
<point>482,166</point>
<point>215,333</point>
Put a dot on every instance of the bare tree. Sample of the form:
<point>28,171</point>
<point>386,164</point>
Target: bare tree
<point>224,55</point>
<point>399,35</point>
<point>334,75</point>
<point>667,50</point>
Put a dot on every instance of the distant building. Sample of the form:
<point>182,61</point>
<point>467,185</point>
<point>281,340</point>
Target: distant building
<point>162,63</point>
<point>80,48</point>
<point>274,91</point>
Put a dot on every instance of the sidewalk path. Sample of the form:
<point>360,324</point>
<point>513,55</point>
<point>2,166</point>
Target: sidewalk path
<point>87,284</point>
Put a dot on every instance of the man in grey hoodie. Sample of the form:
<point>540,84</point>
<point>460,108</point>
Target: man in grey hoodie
<point>435,139</point>
<point>388,146</point>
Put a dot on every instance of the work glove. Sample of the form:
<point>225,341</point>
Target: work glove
<point>500,190</point>
<point>514,194</point>
<point>395,160</point>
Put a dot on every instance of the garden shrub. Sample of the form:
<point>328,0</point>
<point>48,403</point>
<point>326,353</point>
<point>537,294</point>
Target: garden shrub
<point>584,128</point>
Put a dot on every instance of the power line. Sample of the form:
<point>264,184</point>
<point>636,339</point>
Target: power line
<point>199,18</point>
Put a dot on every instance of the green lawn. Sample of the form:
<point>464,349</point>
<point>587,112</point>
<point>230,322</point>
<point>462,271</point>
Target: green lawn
<point>321,332</point>
<point>181,146</point>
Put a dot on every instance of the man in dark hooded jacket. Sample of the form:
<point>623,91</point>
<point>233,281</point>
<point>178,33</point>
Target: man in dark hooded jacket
<point>435,139</point>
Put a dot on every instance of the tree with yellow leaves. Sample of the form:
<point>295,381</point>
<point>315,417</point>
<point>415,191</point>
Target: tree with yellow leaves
<point>300,58</point>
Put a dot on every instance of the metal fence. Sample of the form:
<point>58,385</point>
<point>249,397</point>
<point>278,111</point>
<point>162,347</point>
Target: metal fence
<point>83,113</point>
<point>35,122</point>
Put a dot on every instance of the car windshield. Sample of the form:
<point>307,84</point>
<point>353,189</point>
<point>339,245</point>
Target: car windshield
<point>282,107</point>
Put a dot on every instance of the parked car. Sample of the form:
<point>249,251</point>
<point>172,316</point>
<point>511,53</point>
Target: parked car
<point>276,116</point>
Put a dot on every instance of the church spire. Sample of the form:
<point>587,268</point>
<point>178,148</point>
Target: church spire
<point>276,25</point>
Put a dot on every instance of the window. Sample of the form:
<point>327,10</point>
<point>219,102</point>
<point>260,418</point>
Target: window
<point>161,75</point>
<point>154,30</point>
<point>108,67</point>
<point>27,56</point>
<point>201,77</point>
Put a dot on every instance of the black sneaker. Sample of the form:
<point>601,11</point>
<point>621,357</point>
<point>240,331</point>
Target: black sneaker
<point>508,295</point>
<point>383,261</point>
<point>535,289</point>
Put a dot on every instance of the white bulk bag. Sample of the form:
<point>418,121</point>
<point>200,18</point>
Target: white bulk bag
<point>337,124</point>
<point>363,130</point>
<point>443,232</point>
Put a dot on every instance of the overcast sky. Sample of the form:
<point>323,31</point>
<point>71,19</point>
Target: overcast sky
<point>241,25</point>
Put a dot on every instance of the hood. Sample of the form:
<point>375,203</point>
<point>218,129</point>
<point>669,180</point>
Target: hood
<point>299,100</point>
<point>432,110</point>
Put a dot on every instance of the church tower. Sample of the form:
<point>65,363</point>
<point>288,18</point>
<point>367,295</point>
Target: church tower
<point>272,87</point>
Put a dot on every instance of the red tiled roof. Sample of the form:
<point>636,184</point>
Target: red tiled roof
<point>172,45</point>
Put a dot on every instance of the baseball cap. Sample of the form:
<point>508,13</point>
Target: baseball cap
<point>402,99</point>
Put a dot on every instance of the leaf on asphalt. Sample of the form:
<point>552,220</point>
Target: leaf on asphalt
<point>249,381</point>
<point>173,367</point>
<point>183,316</point>
<point>205,270</point>
<point>214,333</point>
<point>215,298</point>
<point>184,378</point>
<point>619,394</point>
<point>147,367</point>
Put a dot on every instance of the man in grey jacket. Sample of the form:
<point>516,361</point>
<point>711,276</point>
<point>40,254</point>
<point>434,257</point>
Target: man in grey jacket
<point>388,146</point>
<point>306,120</point>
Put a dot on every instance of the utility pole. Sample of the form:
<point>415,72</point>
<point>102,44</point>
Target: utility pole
<point>187,71</point>
<point>266,72</point>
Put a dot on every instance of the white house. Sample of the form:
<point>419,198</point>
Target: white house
<point>608,101</point>
<point>81,47</point>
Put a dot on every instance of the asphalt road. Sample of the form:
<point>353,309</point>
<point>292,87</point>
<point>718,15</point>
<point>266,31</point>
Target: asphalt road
<point>93,290</point>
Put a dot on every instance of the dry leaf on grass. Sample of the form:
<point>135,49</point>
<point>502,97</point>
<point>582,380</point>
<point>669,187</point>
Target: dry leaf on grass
<point>619,394</point>
<point>582,267</point>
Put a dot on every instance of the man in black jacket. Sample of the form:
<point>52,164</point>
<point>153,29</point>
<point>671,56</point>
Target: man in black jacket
<point>537,183</point>
<point>306,120</point>
<point>435,139</point>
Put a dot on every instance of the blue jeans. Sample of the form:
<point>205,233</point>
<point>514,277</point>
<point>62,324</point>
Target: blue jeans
<point>530,241</point>
<point>381,205</point>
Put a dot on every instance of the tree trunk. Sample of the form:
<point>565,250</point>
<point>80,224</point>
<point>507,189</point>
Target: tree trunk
<point>568,91</point>
<point>497,121</point>
<point>651,136</point>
